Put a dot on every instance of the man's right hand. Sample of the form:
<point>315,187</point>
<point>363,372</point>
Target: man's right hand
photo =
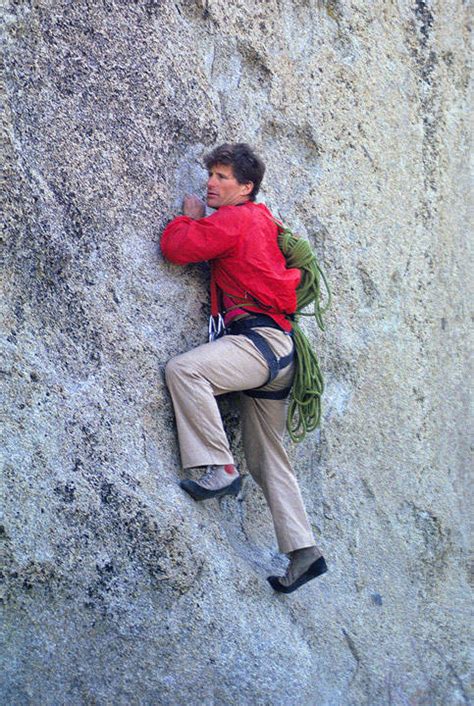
<point>193,207</point>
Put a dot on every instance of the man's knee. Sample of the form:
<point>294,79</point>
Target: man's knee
<point>177,368</point>
<point>172,370</point>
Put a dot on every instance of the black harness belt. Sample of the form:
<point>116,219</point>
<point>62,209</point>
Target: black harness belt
<point>246,327</point>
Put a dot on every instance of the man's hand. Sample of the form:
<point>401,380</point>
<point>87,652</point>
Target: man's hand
<point>193,207</point>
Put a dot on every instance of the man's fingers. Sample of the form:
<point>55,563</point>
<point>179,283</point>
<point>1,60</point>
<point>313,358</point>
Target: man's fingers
<point>193,206</point>
<point>192,199</point>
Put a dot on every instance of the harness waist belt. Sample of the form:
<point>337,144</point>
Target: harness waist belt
<point>259,320</point>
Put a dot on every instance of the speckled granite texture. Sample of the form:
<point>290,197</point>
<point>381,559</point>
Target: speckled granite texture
<point>118,588</point>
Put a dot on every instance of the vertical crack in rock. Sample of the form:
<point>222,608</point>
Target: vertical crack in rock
<point>426,61</point>
<point>354,652</point>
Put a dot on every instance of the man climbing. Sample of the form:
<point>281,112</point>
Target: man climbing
<point>254,292</point>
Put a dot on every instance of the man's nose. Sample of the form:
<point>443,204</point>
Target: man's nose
<point>211,181</point>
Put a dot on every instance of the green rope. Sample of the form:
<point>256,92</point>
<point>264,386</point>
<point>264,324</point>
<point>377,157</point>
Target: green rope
<point>304,409</point>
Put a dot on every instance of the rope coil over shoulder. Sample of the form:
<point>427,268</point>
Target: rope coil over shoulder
<point>304,409</point>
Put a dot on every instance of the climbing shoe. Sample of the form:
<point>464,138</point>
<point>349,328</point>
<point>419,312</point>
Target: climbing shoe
<point>305,564</point>
<point>216,482</point>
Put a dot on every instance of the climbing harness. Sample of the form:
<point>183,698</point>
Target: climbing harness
<point>246,327</point>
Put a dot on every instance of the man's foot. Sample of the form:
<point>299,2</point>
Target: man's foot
<point>305,564</point>
<point>216,481</point>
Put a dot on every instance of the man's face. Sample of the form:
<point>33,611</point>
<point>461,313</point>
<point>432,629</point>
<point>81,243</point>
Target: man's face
<point>223,189</point>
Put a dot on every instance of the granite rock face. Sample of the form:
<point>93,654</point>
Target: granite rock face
<point>117,588</point>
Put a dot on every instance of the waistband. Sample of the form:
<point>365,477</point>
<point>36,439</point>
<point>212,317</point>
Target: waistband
<point>250,322</point>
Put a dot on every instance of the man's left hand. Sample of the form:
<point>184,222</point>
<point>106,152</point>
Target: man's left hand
<point>193,207</point>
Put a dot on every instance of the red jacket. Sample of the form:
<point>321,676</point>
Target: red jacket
<point>247,264</point>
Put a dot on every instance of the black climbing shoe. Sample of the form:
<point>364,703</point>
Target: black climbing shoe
<point>317,568</point>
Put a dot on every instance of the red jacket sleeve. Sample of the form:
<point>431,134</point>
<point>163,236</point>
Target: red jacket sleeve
<point>185,240</point>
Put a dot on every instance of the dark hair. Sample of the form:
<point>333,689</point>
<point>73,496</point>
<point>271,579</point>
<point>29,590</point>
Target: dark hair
<point>246,165</point>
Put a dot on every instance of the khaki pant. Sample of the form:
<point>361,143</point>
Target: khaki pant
<point>230,364</point>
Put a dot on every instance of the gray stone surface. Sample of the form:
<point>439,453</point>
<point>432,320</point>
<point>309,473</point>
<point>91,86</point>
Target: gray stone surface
<point>118,589</point>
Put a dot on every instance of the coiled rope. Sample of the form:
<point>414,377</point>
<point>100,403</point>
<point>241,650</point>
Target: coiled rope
<point>304,409</point>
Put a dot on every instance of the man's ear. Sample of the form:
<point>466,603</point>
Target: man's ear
<point>247,188</point>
